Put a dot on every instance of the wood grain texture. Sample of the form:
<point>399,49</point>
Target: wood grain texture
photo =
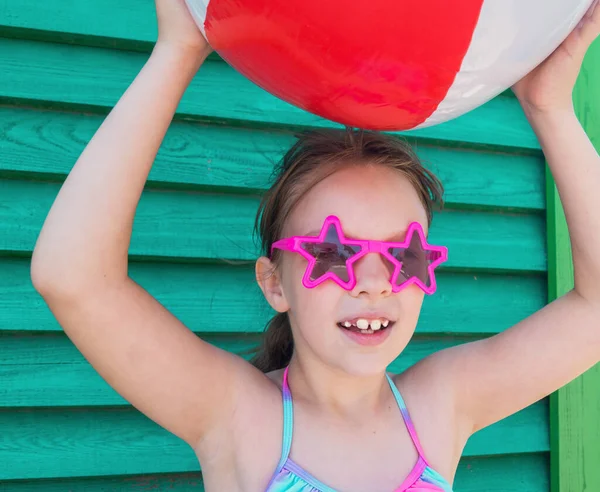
<point>574,409</point>
<point>527,473</point>
<point>203,295</point>
<point>132,20</point>
<point>198,156</point>
<point>63,66</point>
<point>168,482</point>
<point>46,370</point>
<point>199,225</point>
<point>55,75</point>
<point>57,442</point>
<point>490,474</point>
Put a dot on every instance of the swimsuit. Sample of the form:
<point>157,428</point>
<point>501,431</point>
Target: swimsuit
<point>290,477</point>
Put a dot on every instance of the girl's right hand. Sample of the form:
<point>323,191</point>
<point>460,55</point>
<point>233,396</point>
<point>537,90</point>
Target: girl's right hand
<point>177,28</point>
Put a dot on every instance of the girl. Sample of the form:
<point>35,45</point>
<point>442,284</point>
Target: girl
<point>349,297</point>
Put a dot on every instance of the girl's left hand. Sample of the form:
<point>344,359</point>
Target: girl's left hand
<point>549,87</point>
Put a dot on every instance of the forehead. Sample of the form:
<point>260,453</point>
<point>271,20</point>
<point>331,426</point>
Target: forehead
<point>372,202</point>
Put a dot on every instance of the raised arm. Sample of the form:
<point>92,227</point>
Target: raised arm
<point>79,264</point>
<point>498,376</point>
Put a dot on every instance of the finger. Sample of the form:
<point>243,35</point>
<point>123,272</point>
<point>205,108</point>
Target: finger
<point>589,27</point>
<point>592,16</point>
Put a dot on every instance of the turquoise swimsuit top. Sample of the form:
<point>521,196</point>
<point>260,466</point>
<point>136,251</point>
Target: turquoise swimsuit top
<point>290,477</point>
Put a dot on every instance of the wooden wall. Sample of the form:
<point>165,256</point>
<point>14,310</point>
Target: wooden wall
<point>63,65</point>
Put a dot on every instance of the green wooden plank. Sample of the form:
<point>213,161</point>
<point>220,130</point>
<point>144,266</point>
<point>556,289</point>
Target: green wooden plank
<point>527,473</point>
<point>575,422</point>
<point>55,75</point>
<point>489,474</point>
<point>180,482</point>
<point>69,380</point>
<point>53,443</point>
<point>203,295</point>
<point>47,143</point>
<point>131,20</point>
<point>198,225</point>
<point>57,443</point>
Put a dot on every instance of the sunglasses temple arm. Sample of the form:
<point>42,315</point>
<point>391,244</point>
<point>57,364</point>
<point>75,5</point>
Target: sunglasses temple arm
<point>285,244</point>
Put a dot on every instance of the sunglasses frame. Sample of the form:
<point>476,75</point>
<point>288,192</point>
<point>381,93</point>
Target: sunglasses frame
<point>435,254</point>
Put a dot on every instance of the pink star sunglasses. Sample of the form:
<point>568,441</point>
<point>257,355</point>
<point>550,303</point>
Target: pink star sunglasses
<point>332,256</point>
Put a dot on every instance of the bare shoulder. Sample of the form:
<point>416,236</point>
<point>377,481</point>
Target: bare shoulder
<point>247,449</point>
<point>258,397</point>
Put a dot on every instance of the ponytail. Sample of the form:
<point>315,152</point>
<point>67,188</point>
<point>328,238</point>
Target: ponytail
<point>277,346</point>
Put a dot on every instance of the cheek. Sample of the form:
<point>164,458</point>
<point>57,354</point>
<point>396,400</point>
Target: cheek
<point>313,311</point>
<point>306,304</point>
<point>410,302</point>
<point>314,307</point>
<point>292,271</point>
<point>412,298</point>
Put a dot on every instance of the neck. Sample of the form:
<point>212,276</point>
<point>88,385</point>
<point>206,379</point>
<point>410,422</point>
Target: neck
<point>334,391</point>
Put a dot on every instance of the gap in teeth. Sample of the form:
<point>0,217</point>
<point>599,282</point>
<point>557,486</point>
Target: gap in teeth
<point>367,326</point>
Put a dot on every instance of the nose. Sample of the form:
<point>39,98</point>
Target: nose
<point>372,277</point>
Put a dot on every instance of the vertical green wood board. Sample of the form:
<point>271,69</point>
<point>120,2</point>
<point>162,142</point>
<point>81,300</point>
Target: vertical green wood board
<point>574,409</point>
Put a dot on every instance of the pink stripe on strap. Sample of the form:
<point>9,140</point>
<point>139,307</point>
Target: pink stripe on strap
<point>407,420</point>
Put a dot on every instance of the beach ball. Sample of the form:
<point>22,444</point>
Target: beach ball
<point>386,64</point>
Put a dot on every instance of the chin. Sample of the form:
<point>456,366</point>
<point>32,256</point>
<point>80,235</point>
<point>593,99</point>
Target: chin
<point>364,366</point>
<point>370,361</point>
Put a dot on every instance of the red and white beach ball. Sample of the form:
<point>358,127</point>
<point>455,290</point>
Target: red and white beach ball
<point>386,64</point>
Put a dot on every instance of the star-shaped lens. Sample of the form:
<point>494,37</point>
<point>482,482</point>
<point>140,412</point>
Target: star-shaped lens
<point>331,254</point>
<point>417,260</point>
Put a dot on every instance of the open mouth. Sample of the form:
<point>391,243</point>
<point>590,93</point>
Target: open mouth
<point>366,326</point>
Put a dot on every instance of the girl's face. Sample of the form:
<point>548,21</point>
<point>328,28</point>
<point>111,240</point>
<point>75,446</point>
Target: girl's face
<point>372,202</point>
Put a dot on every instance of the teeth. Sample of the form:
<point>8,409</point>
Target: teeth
<point>364,324</point>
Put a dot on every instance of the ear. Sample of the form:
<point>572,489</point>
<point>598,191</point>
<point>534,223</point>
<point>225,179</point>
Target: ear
<point>269,282</point>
